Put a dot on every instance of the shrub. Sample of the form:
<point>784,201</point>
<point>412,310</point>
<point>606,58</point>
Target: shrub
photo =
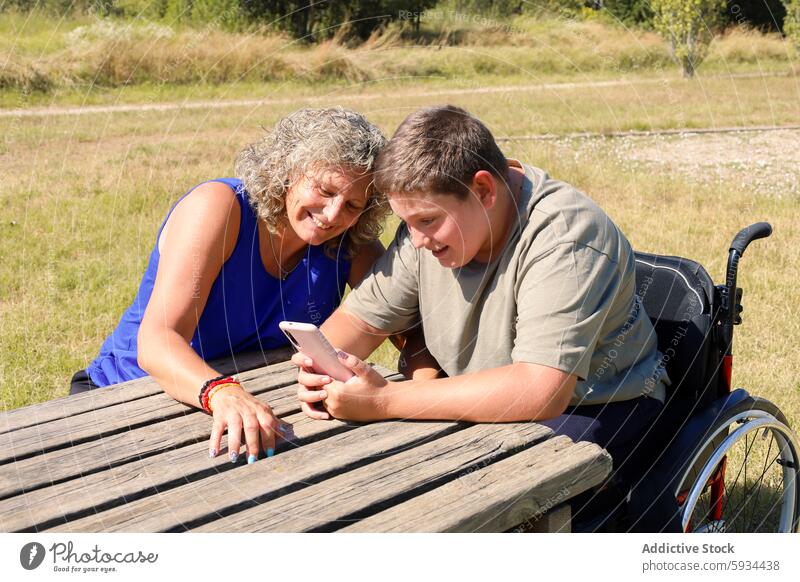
<point>630,11</point>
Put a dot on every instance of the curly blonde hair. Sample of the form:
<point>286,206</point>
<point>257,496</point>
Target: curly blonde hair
<point>302,142</point>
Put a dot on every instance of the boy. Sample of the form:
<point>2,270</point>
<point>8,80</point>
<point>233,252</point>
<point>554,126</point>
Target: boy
<point>523,289</point>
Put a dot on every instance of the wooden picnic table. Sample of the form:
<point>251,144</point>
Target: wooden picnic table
<point>129,458</point>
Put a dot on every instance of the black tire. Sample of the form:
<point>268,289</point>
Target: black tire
<point>776,487</point>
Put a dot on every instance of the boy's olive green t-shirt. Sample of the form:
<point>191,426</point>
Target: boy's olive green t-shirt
<point>562,294</point>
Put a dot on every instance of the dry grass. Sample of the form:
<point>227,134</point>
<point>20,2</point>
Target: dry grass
<point>742,45</point>
<point>104,54</point>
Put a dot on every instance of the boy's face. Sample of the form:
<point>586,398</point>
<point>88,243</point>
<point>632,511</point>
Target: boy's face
<point>454,231</point>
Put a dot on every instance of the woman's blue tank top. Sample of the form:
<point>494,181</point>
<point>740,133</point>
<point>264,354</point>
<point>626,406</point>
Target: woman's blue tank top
<point>244,306</point>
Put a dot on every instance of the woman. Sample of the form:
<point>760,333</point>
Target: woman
<point>236,256</point>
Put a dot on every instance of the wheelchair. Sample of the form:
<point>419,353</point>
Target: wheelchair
<point>716,459</point>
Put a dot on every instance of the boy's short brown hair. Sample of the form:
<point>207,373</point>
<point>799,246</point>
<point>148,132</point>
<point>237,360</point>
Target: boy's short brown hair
<point>438,149</point>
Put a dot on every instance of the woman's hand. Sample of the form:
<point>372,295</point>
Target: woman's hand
<point>239,411</point>
<point>362,398</point>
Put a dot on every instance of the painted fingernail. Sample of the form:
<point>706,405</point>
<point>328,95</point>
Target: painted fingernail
<point>234,456</point>
<point>212,453</point>
<point>270,452</point>
<point>251,459</point>
<point>282,428</point>
<point>341,355</point>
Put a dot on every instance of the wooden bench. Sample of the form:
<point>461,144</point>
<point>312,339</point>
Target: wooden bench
<point>130,459</point>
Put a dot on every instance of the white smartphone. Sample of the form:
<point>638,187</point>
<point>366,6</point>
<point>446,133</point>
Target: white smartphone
<point>307,338</point>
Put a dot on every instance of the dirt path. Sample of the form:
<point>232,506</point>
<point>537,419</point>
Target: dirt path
<point>221,104</point>
<point>761,158</point>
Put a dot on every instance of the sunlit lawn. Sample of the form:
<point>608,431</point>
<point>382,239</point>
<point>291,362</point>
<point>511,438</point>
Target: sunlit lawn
<point>83,196</point>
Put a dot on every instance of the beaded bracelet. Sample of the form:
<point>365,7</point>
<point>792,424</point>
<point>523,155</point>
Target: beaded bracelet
<point>203,396</point>
<point>217,387</point>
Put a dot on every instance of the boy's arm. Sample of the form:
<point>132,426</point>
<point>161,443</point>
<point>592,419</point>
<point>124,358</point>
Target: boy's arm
<point>517,392</point>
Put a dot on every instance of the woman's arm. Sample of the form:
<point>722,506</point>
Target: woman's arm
<point>197,239</point>
<point>416,362</point>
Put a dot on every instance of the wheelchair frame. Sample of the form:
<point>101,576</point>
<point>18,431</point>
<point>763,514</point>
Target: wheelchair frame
<point>688,448</point>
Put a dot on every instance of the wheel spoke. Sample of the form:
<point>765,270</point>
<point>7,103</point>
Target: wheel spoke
<point>761,504</point>
<point>770,511</point>
<point>758,494</point>
<point>729,493</point>
<point>744,499</point>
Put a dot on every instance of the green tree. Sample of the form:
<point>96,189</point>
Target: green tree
<point>765,15</point>
<point>313,20</point>
<point>630,11</point>
<point>791,24</point>
<point>688,26</point>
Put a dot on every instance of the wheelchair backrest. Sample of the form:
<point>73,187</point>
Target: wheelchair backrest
<point>678,296</point>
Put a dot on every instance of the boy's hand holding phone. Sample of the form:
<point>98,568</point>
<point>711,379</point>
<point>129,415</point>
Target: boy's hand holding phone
<point>331,382</point>
<point>361,398</point>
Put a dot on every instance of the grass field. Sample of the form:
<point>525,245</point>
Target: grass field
<point>83,195</point>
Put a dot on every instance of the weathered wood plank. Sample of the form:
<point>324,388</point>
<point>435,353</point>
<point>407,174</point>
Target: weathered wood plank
<point>129,445</point>
<point>335,502</point>
<point>38,414</point>
<point>502,495</point>
<point>96,424</point>
<point>119,448</point>
<point>253,484</point>
<point>90,493</point>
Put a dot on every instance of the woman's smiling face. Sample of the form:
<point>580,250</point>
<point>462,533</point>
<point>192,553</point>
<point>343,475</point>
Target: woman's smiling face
<point>325,202</point>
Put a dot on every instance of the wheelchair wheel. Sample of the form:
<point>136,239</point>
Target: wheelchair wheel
<point>743,476</point>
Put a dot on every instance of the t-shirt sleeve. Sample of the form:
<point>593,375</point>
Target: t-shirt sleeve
<point>388,297</point>
<point>563,299</point>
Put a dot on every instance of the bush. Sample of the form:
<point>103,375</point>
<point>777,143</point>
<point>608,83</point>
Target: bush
<point>562,8</point>
<point>153,9</point>
<point>224,13</point>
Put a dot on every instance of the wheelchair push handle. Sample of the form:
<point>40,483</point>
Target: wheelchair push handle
<point>729,294</point>
<point>749,234</point>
